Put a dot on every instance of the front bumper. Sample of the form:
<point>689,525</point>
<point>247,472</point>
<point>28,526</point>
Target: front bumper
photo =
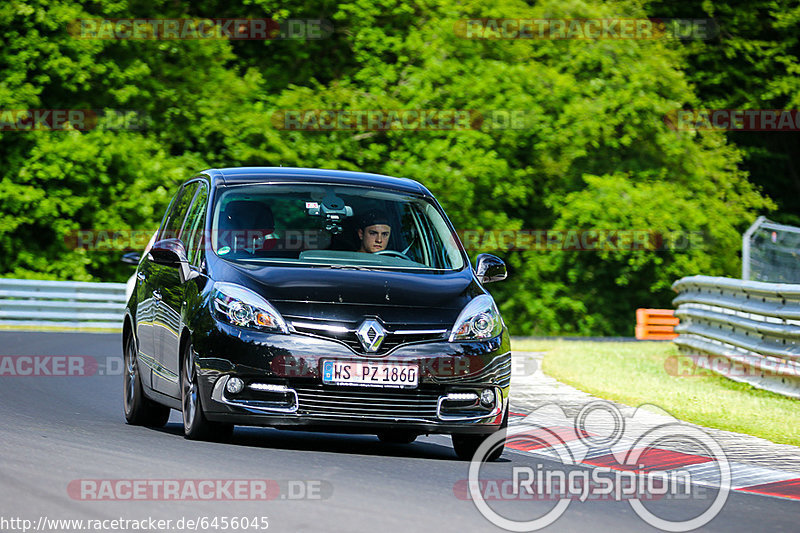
<point>283,385</point>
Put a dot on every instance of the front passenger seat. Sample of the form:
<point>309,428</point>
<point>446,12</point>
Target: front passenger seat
<point>246,224</point>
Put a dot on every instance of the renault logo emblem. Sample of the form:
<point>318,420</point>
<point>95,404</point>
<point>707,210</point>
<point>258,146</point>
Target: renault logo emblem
<point>371,334</point>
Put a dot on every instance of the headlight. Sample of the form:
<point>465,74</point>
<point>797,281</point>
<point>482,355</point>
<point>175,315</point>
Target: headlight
<point>244,308</point>
<point>480,320</point>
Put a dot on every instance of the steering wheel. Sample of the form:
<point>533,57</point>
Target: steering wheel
<point>393,253</point>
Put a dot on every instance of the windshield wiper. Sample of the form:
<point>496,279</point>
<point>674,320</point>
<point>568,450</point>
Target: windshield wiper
<point>349,267</point>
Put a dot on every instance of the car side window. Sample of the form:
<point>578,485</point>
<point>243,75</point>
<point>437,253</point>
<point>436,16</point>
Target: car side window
<point>180,206</point>
<point>192,233</point>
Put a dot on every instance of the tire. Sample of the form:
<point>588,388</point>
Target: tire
<point>465,446</point>
<point>139,410</point>
<point>195,424</point>
<point>397,437</point>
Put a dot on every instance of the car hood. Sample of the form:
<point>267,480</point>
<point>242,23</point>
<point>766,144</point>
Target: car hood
<point>350,295</point>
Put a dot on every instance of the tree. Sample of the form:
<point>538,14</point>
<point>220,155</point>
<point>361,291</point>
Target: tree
<point>588,147</point>
<point>752,63</point>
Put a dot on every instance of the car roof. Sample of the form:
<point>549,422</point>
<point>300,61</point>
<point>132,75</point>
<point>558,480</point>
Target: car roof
<point>247,175</point>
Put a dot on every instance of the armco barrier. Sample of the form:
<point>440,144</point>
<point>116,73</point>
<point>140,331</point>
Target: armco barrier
<point>754,326</point>
<point>61,304</point>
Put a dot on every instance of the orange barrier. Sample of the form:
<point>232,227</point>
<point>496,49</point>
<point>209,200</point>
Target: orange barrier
<point>656,324</point>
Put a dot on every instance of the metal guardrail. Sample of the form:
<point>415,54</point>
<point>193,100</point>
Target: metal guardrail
<point>754,326</point>
<point>61,304</point>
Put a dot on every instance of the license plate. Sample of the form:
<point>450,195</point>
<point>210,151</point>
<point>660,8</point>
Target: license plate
<point>369,373</point>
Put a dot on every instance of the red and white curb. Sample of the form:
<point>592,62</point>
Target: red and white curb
<point>703,470</point>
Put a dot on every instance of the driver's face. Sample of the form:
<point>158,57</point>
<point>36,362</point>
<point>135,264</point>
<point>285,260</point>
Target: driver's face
<point>374,238</point>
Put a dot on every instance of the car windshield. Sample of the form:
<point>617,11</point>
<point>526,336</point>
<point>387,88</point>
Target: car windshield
<point>332,226</point>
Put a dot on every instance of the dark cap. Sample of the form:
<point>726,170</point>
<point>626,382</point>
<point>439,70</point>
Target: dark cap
<point>373,217</point>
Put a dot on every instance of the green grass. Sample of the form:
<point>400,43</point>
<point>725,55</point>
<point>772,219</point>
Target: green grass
<point>635,373</point>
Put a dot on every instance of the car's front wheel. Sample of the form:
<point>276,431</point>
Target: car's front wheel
<point>195,424</point>
<point>465,446</point>
<point>139,410</point>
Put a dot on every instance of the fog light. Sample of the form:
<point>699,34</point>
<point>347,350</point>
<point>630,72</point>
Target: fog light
<point>266,387</point>
<point>234,386</point>
<point>462,396</point>
<point>487,398</point>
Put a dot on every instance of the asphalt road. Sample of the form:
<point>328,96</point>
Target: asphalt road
<point>56,431</point>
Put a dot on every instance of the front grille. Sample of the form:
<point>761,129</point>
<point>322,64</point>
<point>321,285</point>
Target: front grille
<point>394,340</point>
<point>497,372</point>
<point>345,333</point>
<point>370,403</point>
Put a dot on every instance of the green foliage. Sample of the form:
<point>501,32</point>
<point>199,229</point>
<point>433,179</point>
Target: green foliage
<point>752,64</point>
<point>595,152</point>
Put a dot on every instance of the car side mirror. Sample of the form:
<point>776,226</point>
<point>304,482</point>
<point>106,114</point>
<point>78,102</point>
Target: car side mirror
<point>132,258</point>
<point>172,252</point>
<point>168,252</point>
<point>490,268</point>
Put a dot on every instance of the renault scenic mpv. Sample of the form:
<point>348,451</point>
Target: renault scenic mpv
<point>315,300</point>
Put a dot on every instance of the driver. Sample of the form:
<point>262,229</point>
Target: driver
<point>374,231</point>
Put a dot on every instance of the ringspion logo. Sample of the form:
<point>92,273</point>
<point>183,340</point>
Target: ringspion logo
<point>630,459</point>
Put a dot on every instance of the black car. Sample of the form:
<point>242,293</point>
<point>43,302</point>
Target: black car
<point>315,300</point>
